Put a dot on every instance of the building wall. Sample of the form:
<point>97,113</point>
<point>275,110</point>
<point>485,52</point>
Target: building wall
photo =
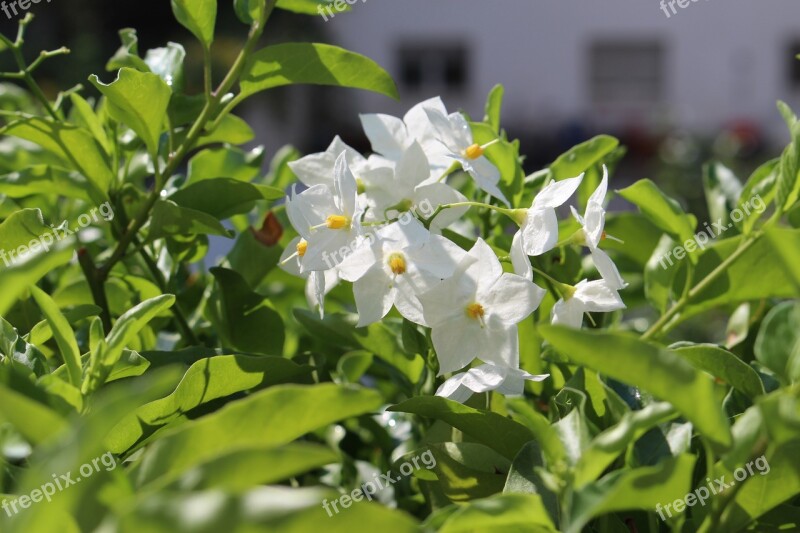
<point>724,59</point>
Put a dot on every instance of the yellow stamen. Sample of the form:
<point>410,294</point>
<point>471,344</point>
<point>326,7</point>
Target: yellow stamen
<point>336,222</point>
<point>474,152</point>
<point>475,311</point>
<point>302,246</point>
<point>397,264</point>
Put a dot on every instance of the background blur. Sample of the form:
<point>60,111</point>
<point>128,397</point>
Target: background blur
<point>678,90</point>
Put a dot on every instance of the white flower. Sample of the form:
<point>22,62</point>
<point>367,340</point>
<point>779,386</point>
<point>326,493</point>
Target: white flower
<point>407,192</point>
<point>455,134</point>
<point>593,227</point>
<point>391,137</point>
<point>539,224</point>
<point>318,284</point>
<point>474,313</point>
<point>327,219</point>
<point>318,169</point>
<point>586,297</point>
<point>504,379</point>
<point>397,264</point>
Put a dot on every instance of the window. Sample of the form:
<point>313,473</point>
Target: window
<point>626,72</point>
<point>434,67</point>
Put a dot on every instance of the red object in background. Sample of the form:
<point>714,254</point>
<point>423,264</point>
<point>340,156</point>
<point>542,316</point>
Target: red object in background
<point>271,231</point>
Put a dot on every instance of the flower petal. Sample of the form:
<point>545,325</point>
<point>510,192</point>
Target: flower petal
<point>557,192</point>
<point>569,313</point>
<point>511,299</point>
<point>486,175</point>
<point>540,231</point>
<point>345,187</point>
<point>598,296</point>
<point>607,269</point>
<point>458,342</point>
<point>519,259</point>
<point>374,297</point>
<point>387,134</point>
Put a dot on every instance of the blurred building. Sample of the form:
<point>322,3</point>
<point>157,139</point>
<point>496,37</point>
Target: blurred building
<point>575,66</point>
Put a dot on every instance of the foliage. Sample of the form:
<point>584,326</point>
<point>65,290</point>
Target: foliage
<point>229,405</point>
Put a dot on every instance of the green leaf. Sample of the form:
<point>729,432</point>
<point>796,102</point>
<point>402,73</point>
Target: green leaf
<point>526,477</point>
<point>662,210</point>
<point>225,162</point>
<point>778,342</point>
<point>206,380</point>
<point>353,365</point>
<point>307,7</point>
<point>197,16</point>
<point>249,323</point>
<point>467,471</point>
<point>16,279</point>
<point>494,105</point>
<point>44,179</point>
<point>738,284</point>
<point>75,146</point>
<point>169,218</point>
<point>65,337</point>
<point>641,488</point>
<point>128,54</point>
<point>582,157</point>
<point>609,444</point>
<point>17,350</point>
<point>654,369</point>
<point>138,100</point>
<point>504,512</point>
<point>242,470</point>
<point>23,228</point>
<point>249,10</point>
<point>269,418</point>
<point>761,184</point>
<point>316,64</point>
<point>722,189</point>
<point>87,118</point>
<point>376,338</point>
<point>220,198</point>
<point>232,130</point>
<point>35,421</point>
<point>495,431</point>
<point>659,275</point>
<point>765,490</point>
<point>121,335</point>
<point>724,365</point>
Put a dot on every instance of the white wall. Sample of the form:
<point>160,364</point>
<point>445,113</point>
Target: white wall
<point>725,58</point>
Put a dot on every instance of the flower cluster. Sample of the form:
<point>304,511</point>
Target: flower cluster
<point>377,222</point>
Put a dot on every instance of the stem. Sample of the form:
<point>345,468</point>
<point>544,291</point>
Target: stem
<point>180,318</point>
<point>96,280</point>
<point>427,222</point>
<point>687,297</point>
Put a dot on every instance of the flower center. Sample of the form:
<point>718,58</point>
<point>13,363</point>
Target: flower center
<point>336,222</point>
<point>475,311</point>
<point>474,152</point>
<point>302,246</point>
<point>397,264</point>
